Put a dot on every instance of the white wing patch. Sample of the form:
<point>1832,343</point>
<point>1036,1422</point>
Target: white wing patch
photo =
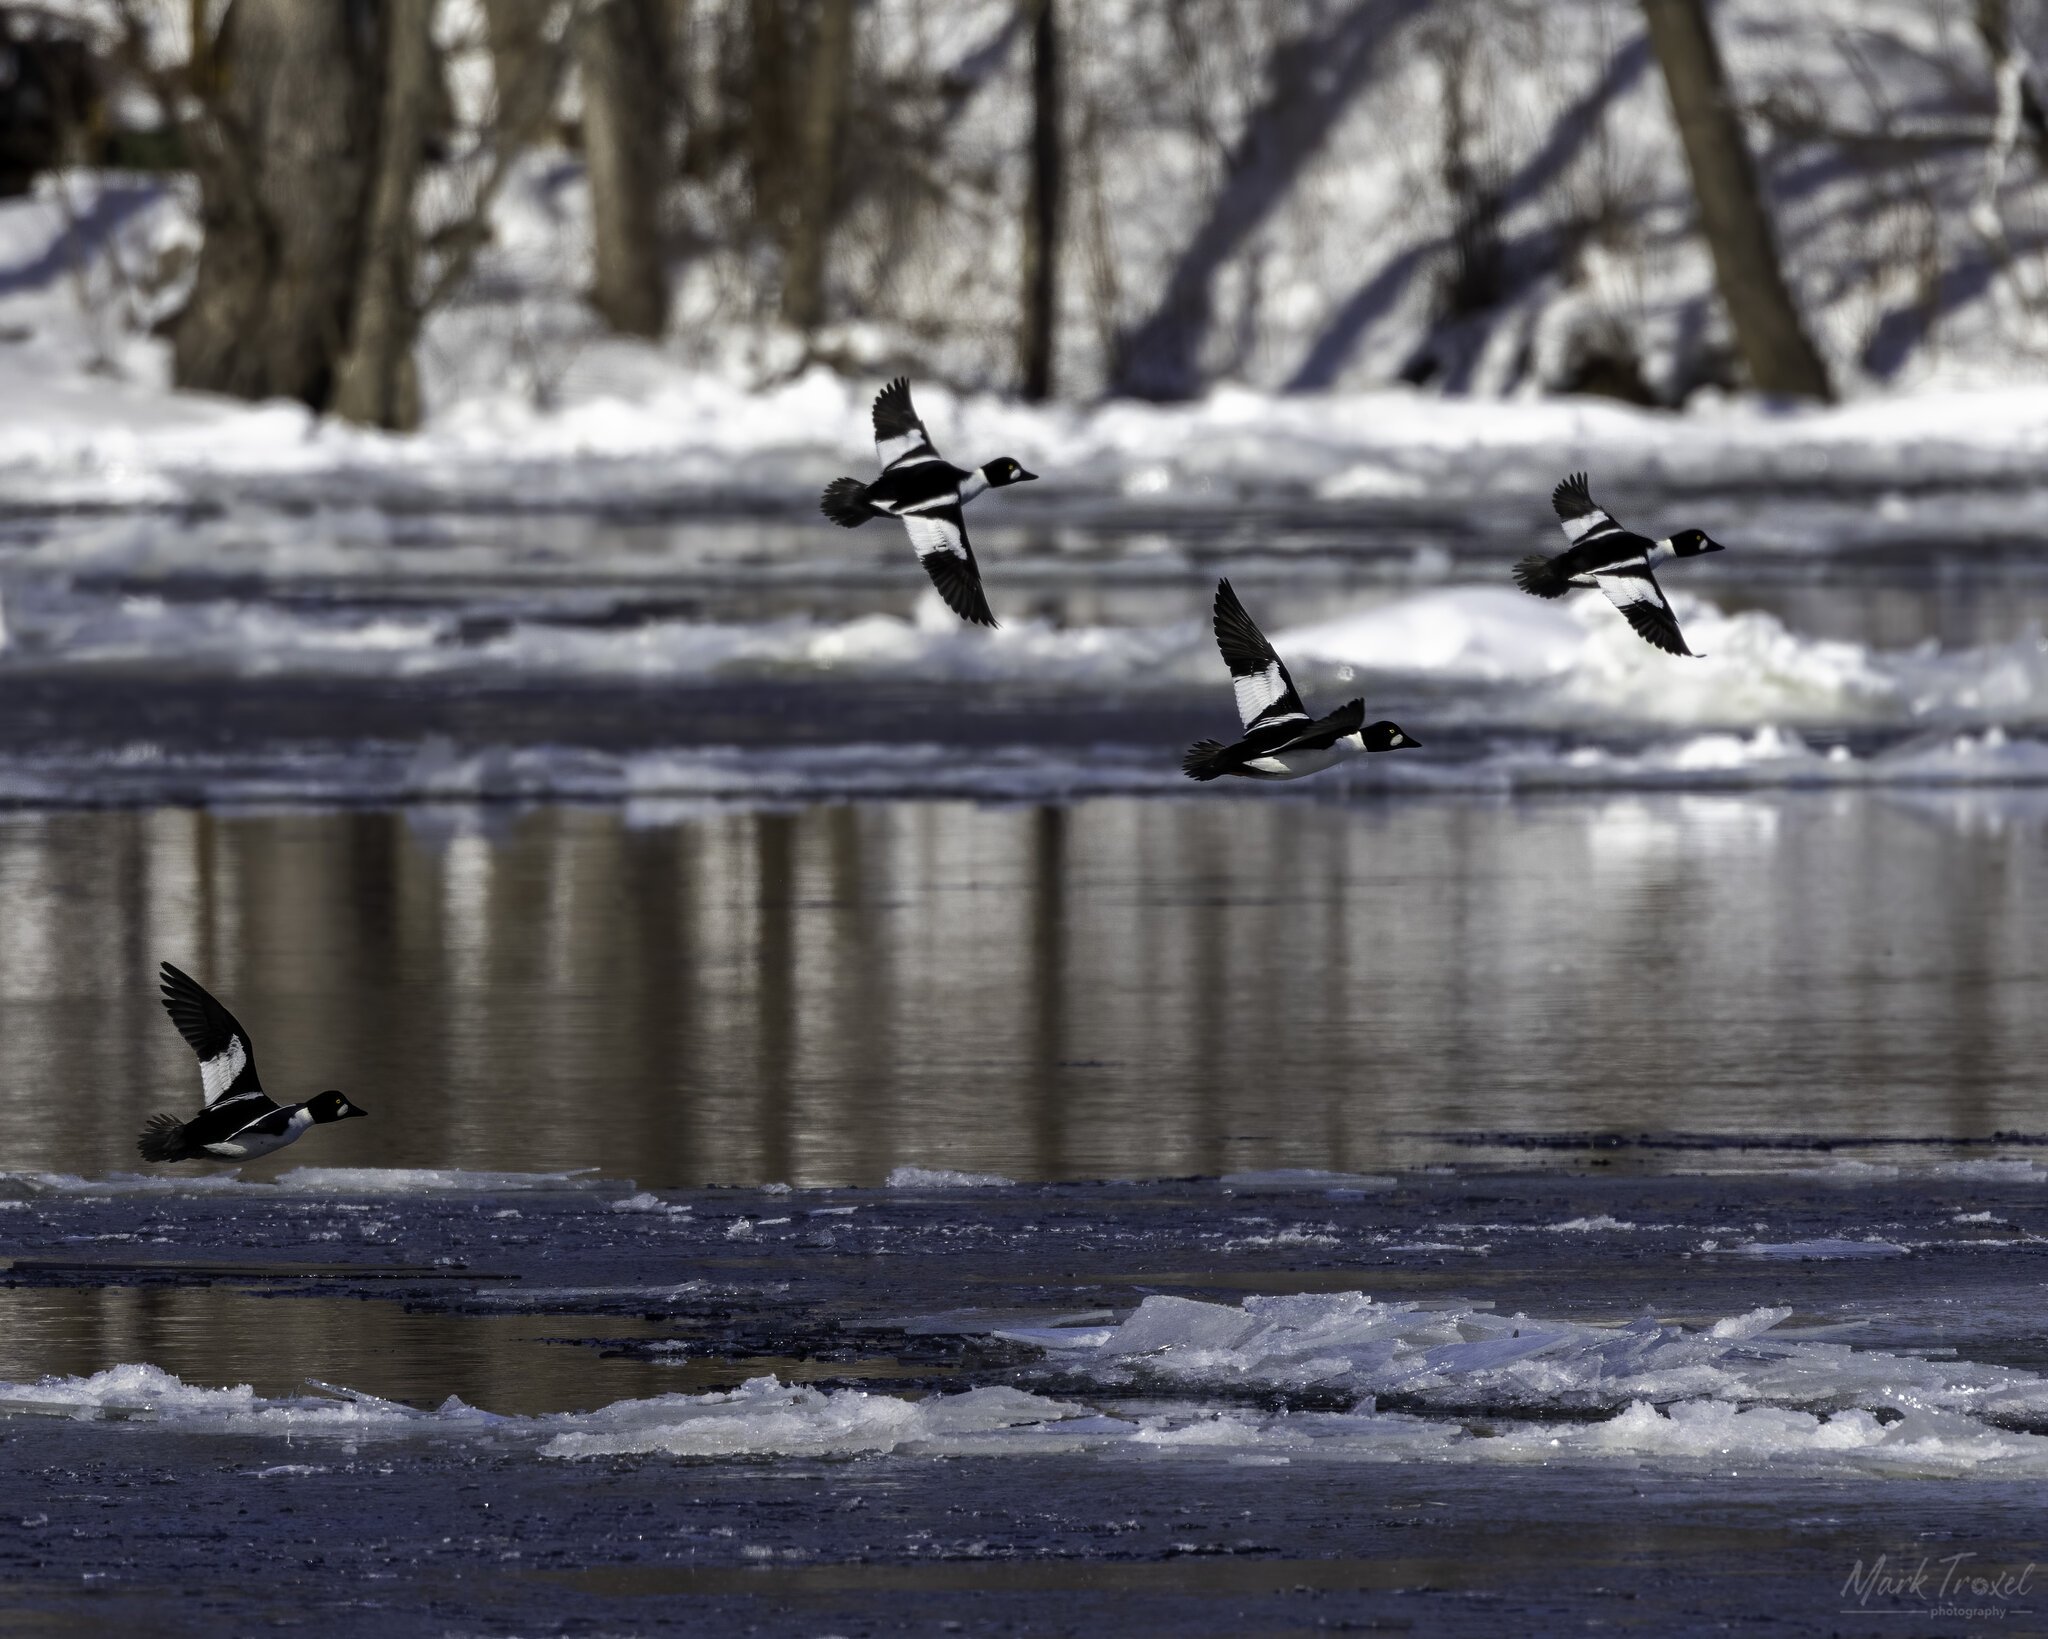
<point>217,1074</point>
<point>1258,692</point>
<point>1624,590</point>
<point>929,534</point>
<point>1577,529</point>
<point>909,450</point>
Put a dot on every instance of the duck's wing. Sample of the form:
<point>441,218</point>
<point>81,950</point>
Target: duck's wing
<point>900,438</point>
<point>1584,520</point>
<point>227,1058</point>
<point>939,535</point>
<point>1633,590</point>
<point>1265,693</point>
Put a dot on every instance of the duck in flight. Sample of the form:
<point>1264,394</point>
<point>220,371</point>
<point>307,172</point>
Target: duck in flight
<point>240,1121</point>
<point>927,493</point>
<point>1614,560</point>
<point>1280,741</point>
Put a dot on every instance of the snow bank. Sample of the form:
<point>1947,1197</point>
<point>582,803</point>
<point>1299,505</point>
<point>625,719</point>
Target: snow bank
<point>637,427</point>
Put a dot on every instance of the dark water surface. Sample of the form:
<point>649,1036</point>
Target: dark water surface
<point>1116,988</point>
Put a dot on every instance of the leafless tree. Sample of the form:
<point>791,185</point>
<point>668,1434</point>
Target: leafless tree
<point>376,380</point>
<point>808,230</point>
<point>1038,336</point>
<point>281,147</point>
<point>622,51</point>
<point>1776,351</point>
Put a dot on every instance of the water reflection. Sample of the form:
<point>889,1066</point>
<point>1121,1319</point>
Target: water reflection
<point>1111,988</point>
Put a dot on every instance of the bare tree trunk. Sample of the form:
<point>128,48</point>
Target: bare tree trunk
<point>199,55</point>
<point>1775,348</point>
<point>621,51</point>
<point>523,64</point>
<point>377,380</point>
<point>1311,82</point>
<point>282,157</point>
<point>810,216</point>
<point>1037,340</point>
<point>768,112</point>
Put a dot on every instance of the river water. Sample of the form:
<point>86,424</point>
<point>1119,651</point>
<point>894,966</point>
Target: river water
<point>857,1143</point>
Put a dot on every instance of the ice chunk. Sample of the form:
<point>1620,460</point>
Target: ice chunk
<point>434,1181</point>
<point>1820,1250</point>
<point>1286,1180</point>
<point>1460,1357</point>
<point>764,1417</point>
<point>1753,1324</point>
<point>940,1178</point>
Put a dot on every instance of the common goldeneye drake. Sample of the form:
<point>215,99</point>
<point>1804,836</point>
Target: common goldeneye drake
<point>927,493</point>
<point>240,1122</point>
<point>1614,560</point>
<point>1280,741</point>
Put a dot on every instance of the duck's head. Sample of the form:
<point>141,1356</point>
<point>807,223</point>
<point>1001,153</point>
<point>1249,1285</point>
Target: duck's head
<point>1002,470</point>
<point>1690,543</point>
<point>1386,736</point>
<point>331,1106</point>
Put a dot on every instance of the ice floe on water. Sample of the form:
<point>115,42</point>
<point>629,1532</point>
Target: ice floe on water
<point>767,1418</point>
<point>909,1178</point>
<point>1817,1251</point>
<point>1460,1359</point>
<point>1718,1395</point>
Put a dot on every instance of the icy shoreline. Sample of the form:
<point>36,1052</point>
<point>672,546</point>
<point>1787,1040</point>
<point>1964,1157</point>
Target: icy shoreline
<point>648,431</point>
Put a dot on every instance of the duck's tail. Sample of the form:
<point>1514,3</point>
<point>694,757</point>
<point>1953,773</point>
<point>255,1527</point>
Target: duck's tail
<point>163,1139</point>
<point>1538,576</point>
<point>1203,760</point>
<point>844,502</point>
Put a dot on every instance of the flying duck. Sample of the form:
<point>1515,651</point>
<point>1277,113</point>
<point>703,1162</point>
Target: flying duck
<point>1280,741</point>
<point>927,493</point>
<point>1617,562</point>
<point>240,1122</point>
